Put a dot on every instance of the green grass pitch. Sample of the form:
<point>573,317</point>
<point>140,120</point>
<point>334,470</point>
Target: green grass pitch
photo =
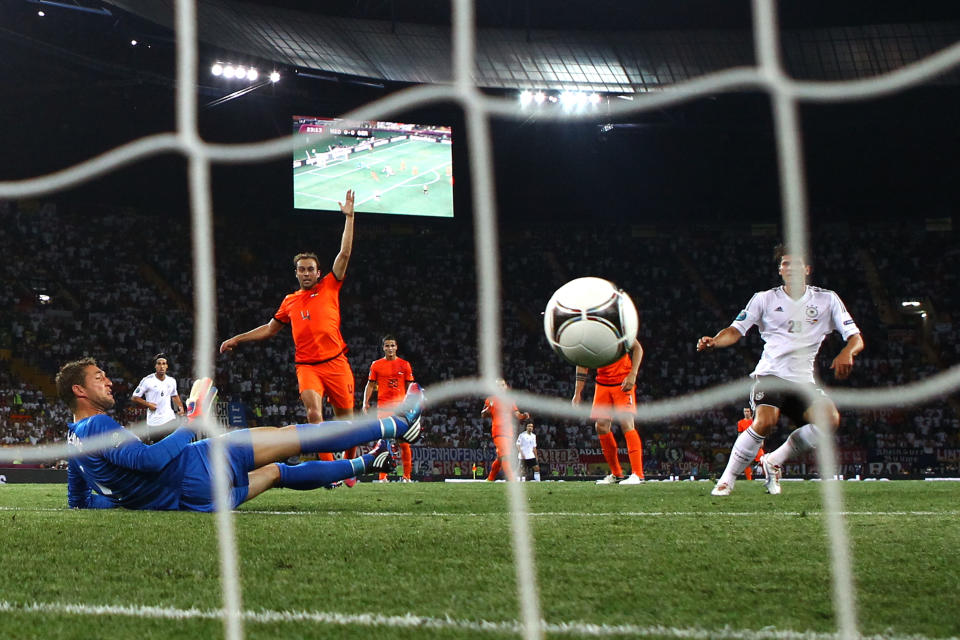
<point>415,163</point>
<point>432,560</point>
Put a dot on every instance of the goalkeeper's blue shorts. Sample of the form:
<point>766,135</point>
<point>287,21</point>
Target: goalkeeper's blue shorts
<point>197,484</point>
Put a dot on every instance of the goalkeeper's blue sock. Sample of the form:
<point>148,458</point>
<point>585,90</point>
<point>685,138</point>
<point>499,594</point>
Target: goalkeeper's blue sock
<point>341,435</point>
<point>318,473</point>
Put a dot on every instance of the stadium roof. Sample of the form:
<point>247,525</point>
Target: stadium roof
<point>604,46</point>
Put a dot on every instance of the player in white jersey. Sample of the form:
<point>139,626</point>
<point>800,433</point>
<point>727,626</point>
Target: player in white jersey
<point>793,320</point>
<point>157,393</point>
<point>527,450</point>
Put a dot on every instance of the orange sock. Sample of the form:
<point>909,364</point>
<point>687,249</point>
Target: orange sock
<point>635,451</point>
<point>383,476</point>
<point>326,457</point>
<point>609,445</point>
<point>748,472</point>
<point>350,453</point>
<point>406,459</point>
<point>494,470</point>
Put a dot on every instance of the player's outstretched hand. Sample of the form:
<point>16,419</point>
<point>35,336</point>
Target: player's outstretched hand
<point>347,209</point>
<point>705,343</point>
<point>227,345</point>
<point>842,366</point>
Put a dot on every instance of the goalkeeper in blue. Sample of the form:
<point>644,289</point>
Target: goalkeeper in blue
<point>110,467</point>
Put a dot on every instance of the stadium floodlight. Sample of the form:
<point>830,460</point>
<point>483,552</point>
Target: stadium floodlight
<point>252,74</point>
<point>525,98</point>
<point>594,98</point>
<point>133,43</point>
<point>229,71</point>
<point>568,99</point>
<point>539,97</point>
<point>581,100</point>
<point>910,303</point>
<point>240,73</point>
<point>274,76</point>
<point>41,13</point>
<point>217,69</point>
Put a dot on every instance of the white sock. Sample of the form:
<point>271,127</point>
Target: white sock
<point>744,451</point>
<point>801,440</point>
<point>536,476</point>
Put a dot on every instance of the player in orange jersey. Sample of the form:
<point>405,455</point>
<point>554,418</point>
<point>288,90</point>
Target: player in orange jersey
<point>502,431</point>
<point>742,426</point>
<point>388,378</point>
<point>313,313</point>
<point>615,390</point>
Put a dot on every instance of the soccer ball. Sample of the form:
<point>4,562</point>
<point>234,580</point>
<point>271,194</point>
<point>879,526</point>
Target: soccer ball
<point>590,322</point>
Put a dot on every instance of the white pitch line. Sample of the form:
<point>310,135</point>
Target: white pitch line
<point>581,514</point>
<point>413,621</point>
<point>559,514</point>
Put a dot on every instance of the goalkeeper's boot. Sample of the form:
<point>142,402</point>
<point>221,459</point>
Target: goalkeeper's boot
<point>200,402</point>
<point>383,459</point>
<point>771,474</point>
<point>410,411</point>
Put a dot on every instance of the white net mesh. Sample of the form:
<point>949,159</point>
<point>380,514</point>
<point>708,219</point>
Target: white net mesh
<point>768,75</point>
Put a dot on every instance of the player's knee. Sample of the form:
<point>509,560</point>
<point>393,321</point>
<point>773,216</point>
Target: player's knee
<point>603,427</point>
<point>314,415</point>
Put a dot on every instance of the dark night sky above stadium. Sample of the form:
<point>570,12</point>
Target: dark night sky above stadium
<point>76,89</point>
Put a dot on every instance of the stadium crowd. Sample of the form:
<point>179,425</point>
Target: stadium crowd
<point>416,281</point>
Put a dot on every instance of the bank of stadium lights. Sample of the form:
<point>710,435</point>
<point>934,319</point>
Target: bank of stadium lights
<point>239,72</point>
<point>569,100</point>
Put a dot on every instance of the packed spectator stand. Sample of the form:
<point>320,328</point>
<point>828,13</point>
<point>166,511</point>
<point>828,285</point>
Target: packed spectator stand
<point>114,284</point>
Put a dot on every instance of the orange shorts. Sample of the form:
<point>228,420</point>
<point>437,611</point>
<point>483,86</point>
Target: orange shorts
<point>605,397</point>
<point>502,443</point>
<point>332,379</point>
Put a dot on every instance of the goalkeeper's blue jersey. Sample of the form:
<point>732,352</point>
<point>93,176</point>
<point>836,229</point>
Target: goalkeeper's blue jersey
<point>122,469</point>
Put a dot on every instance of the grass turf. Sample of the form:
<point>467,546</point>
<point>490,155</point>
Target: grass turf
<point>661,554</point>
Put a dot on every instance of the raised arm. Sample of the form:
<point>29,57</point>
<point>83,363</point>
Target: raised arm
<point>725,338</point>
<point>262,332</point>
<point>346,242</point>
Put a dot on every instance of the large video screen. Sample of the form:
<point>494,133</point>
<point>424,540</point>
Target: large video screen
<point>394,167</point>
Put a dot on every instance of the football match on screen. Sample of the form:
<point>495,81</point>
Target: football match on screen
<point>396,168</point>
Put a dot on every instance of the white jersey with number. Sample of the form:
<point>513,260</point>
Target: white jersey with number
<point>526,444</point>
<point>160,393</point>
<point>793,330</point>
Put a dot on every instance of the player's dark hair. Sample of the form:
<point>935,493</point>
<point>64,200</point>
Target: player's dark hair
<point>388,336</point>
<point>70,374</point>
<point>306,256</point>
<point>781,250</point>
<point>160,355</point>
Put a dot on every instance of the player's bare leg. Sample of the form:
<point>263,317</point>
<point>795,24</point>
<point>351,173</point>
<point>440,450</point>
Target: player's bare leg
<point>313,402</point>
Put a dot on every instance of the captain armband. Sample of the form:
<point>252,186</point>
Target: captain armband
<point>581,377</point>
